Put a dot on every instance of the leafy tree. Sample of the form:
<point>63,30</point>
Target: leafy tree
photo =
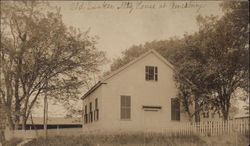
<point>211,64</point>
<point>39,55</point>
<point>164,47</point>
<point>215,60</point>
<point>227,54</point>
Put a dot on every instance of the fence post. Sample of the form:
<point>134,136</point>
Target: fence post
<point>57,129</point>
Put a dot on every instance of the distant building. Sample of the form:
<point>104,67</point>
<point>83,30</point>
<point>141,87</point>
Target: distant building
<point>241,116</point>
<point>245,117</point>
<point>53,123</point>
<point>137,97</point>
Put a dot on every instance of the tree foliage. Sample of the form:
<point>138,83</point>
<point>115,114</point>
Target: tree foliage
<point>40,54</point>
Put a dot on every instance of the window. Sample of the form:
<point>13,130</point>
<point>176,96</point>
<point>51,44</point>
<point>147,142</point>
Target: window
<point>96,112</point>
<point>151,73</point>
<point>125,107</point>
<point>90,112</point>
<point>175,109</point>
<point>86,114</point>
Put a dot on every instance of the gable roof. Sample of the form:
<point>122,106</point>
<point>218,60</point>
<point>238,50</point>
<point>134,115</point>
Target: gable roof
<point>124,67</point>
<point>136,60</point>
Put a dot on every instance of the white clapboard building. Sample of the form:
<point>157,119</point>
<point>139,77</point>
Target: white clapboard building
<point>137,97</point>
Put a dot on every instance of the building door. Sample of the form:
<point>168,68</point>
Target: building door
<point>152,121</point>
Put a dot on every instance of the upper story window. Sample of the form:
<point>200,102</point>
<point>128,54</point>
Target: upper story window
<point>125,107</point>
<point>151,73</point>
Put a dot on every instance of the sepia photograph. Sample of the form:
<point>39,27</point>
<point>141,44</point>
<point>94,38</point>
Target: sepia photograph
<point>124,73</point>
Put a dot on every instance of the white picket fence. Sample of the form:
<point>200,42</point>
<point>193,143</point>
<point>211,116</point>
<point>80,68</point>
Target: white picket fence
<point>211,128</point>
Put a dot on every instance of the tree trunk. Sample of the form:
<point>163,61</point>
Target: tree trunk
<point>17,115</point>
<point>225,107</point>
<point>10,121</point>
<point>17,103</point>
<point>225,112</point>
<point>197,112</point>
<point>225,116</point>
<point>32,122</point>
<point>16,122</point>
<point>190,118</point>
<point>45,116</point>
<point>23,122</point>
<point>2,136</point>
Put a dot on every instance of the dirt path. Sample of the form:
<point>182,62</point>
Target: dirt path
<point>24,142</point>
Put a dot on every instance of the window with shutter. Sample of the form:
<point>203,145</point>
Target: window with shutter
<point>86,114</point>
<point>125,107</point>
<point>96,115</point>
<point>175,109</point>
<point>90,112</point>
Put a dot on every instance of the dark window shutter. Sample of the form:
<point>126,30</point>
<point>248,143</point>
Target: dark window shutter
<point>86,114</point>
<point>156,70</point>
<point>146,72</point>
<point>96,110</point>
<point>175,109</point>
<point>125,107</point>
<point>122,107</point>
<point>90,106</point>
<point>86,117</point>
<point>128,107</point>
<point>90,112</point>
<point>96,103</point>
<point>156,74</point>
<point>172,109</point>
<point>97,114</point>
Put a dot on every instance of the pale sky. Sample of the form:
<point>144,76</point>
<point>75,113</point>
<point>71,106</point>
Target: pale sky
<point>119,29</point>
<point>125,24</point>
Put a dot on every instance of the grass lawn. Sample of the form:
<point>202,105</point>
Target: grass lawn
<point>12,142</point>
<point>139,140</point>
